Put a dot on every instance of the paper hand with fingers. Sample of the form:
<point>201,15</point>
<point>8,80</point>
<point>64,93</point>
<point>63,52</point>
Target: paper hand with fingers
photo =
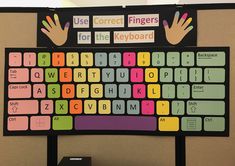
<point>53,30</point>
<point>179,28</point>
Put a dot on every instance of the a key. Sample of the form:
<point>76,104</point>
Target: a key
<point>101,59</point>
<point>17,123</point>
<point>183,91</point>
<point>19,107</point>
<point>40,122</point>
<point>181,75</point>
<point>198,107</point>
<point>195,75</point>
<point>187,59</point>
<point>168,91</point>
<point>178,107</point>
<point>166,74</point>
<point>211,58</point>
<point>214,124</point>
<point>206,91</point>
<point>18,75</point>
<point>214,75</point>
<point>72,59</point>
<point>173,58</point>
<point>191,123</point>
<point>168,123</point>
<point>158,59</point>
<point>62,122</point>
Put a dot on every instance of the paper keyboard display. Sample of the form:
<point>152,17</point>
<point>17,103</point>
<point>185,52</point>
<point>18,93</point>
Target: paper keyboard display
<point>117,26</point>
<point>152,91</point>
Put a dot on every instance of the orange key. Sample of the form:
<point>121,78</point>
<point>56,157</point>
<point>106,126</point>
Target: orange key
<point>75,106</point>
<point>68,91</point>
<point>65,75</point>
<point>58,59</point>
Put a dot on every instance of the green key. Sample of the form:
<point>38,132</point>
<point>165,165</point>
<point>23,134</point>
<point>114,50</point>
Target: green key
<point>183,91</point>
<point>61,106</point>
<point>187,58</point>
<point>214,124</point>
<point>191,124</point>
<point>197,107</point>
<point>158,58</point>
<point>195,75</point>
<point>178,107</point>
<point>211,58</point>
<point>51,75</point>
<point>62,123</point>
<point>214,75</point>
<point>173,59</point>
<point>206,91</point>
<point>44,59</point>
<point>168,91</point>
<point>53,91</point>
<point>166,74</point>
<point>181,75</point>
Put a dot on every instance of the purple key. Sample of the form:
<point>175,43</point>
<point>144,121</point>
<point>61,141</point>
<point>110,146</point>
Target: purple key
<point>130,123</point>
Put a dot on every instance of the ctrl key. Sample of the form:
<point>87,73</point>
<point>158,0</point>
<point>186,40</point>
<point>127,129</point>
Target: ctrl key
<point>214,124</point>
<point>17,123</point>
<point>62,123</point>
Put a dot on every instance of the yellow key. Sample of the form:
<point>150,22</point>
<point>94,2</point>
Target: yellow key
<point>72,59</point>
<point>104,107</point>
<point>154,91</point>
<point>79,75</point>
<point>163,108</point>
<point>96,90</point>
<point>82,90</point>
<point>151,75</point>
<point>168,123</point>
<point>86,59</point>
<point>94,75</point>
<point>90,106</point>
<point>143,59</point>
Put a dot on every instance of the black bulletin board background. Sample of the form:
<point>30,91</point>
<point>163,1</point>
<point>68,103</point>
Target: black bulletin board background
<point>165,12</point>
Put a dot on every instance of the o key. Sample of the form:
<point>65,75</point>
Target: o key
<point>19,91</point>
<point>29,59</point>
<point>18,75</point>
<point>17,123</point>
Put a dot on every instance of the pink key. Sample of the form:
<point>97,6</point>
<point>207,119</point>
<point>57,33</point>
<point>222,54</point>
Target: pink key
<point>15,59</point>
<point>36,75</point>
<point>29,59</point>
<point>147,107</point>
<point>17,123</point>
<point>40,123</point>
<point>19,91</point>
<point>129,59</point>
<point>19,107</point>
<point>39,91</point>
<point>18,75</point>
<point>137,75</point>
<point>46,106</point>
<point>139,91</point>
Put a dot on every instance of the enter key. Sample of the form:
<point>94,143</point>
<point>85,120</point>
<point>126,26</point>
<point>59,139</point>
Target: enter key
<point>208,91</point>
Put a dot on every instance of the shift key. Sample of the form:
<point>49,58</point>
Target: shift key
<point>205,91</point>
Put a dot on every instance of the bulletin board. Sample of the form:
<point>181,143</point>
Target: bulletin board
<point>215,28</point>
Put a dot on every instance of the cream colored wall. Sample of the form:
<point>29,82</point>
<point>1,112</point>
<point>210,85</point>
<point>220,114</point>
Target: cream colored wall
<point>215,28</point>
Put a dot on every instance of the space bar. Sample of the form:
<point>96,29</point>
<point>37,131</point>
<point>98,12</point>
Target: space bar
<point>125,123</point>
